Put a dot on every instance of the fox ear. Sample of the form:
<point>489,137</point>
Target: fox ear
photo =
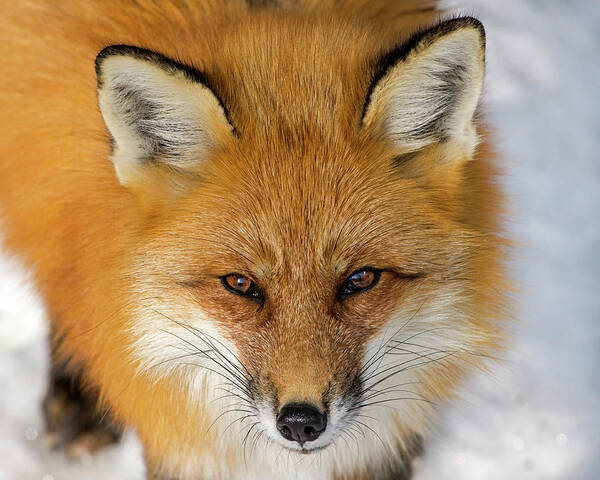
<point>426,90</point>
<point>157,111</point>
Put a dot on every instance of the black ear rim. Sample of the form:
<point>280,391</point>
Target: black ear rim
<point>167,64</point>
<point>425,37</point>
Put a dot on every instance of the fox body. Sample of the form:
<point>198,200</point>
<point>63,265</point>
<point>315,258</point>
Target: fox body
<point>267,236</point>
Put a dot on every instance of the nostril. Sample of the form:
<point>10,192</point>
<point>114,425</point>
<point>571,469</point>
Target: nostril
<point>301,422</point>
<point>286,432</point>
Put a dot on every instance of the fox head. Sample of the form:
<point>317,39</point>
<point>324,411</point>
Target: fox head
<point>315,260</point>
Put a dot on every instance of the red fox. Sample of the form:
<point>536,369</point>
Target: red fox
<point>267,234</point>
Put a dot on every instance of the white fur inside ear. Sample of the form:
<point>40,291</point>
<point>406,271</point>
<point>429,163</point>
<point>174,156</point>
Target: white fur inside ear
<point>156,113</point>
<point>432,94</point>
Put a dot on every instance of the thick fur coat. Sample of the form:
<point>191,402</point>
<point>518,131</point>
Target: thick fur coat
<point>148,150</point>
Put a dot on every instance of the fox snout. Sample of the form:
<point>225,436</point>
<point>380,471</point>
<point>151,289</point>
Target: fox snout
<point>305,422</point>
<point>305,406</point>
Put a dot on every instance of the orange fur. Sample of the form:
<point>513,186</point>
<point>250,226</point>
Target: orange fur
<point>297,195</point>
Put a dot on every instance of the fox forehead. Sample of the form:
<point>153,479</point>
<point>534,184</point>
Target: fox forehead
<point>311,214</point>
<point>298,72</point>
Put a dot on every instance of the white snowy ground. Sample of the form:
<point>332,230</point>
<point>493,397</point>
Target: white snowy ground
<point>538,415</point>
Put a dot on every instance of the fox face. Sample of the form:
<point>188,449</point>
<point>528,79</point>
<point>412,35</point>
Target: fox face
<point>313,277</point>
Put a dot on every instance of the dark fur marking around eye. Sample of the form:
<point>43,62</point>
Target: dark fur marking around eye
<point>404,158</point>
<point>264,3</point>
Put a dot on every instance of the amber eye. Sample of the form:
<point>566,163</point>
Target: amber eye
<point>241,285</point>
<point>359,281</point>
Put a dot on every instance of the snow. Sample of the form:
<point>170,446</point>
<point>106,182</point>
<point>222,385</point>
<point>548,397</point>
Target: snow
<point>536,416</point>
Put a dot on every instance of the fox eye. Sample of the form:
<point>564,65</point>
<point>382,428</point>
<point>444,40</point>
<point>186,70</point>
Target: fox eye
<point>360,281</point>
<point>241,285</point>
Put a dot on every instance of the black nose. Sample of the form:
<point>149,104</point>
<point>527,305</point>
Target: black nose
<point>301,422</point>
